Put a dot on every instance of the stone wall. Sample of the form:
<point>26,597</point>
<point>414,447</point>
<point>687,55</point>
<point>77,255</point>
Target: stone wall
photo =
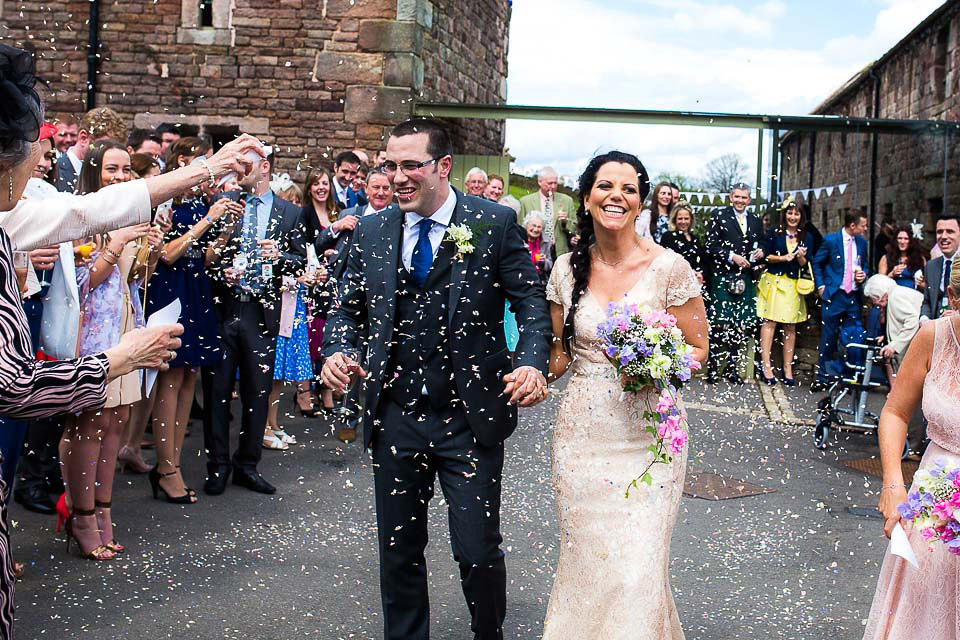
<point>313,77</point>
<point>918,79</point>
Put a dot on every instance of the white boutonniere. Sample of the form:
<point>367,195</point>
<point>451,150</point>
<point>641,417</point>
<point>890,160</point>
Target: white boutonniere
<point>462,236</point>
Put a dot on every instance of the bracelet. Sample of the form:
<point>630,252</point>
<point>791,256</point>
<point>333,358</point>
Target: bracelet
<point>206,165</point>
<point>893,486</point>
<point>104,256</point>
<point>116,256</point>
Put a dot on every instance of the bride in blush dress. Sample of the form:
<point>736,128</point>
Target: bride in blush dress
<point>922,602</point>
<point>613,579</point>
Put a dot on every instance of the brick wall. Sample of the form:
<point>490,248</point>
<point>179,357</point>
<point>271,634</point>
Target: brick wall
<point>312,76</point>
<point>918,80</point>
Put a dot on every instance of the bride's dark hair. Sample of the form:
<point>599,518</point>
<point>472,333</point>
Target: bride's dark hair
<point>580,257</point>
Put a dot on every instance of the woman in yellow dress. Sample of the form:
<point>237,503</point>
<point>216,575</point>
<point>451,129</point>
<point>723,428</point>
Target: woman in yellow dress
<point>778,301</point>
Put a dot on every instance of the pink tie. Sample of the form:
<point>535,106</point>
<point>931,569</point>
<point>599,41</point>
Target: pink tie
<point>848,267</point>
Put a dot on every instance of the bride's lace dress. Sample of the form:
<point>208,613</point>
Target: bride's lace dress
<point>922,603</point>
<point>613,579</point>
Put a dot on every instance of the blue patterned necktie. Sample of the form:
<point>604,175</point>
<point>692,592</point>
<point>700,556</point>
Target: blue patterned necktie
<point>248,245</point>
<point>422,258</point>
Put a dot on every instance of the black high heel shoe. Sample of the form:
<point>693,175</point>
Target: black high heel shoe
<point>770,381</point>
<point>312,412</point>
<point>155,476</point>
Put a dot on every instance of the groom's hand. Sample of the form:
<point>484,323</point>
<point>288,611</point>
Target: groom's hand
<point>339,372</point>
<point>525,386</point>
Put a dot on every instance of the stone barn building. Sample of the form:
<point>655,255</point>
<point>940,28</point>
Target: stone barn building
<point>312,77</point>
<point>919,79</point>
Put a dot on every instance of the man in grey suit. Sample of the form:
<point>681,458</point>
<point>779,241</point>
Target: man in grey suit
<point>936,273</point>
<point>440,393</point>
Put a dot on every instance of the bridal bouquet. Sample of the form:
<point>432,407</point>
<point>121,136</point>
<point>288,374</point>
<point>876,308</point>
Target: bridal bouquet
<point>647,350</point>
<point>933,505</point>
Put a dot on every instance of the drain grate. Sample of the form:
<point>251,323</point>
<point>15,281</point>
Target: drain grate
<point>712,486</point>
<point>871,466</point>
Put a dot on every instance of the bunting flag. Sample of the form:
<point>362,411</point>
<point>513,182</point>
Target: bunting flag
<point>813,192</point>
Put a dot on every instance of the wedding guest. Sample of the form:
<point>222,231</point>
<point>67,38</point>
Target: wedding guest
<point>144,165</point>
<point>169,133</point>
<point>359,184</point>
<point>778,302</point>
<point>886,235</point>
<point>181,275</point>
<point>902,312</point>
<point>286,189</point>
<point>321,221</point>
<point>650,225</point>
<point>475,182</point>
<point>904,258</point>
<point>680,238</point>
<point>920,602</point>
<point>494,189</point>
<point>345,167</point>
<point>540,249</point>
<point>559,221</point>
<point>936,273</point>
<point>110,302</point>
<point>101,122</point>
<point>144,141</point>
<point>733,246</point>
<point>67,130</point>
<point>674,192</point>
<point>249,264</point>
<point>838,268</point>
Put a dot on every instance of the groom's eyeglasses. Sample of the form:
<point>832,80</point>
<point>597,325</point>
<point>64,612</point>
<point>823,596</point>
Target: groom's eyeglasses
<point>390,167</point>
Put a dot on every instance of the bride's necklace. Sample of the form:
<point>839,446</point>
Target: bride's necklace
<point>596,254</point>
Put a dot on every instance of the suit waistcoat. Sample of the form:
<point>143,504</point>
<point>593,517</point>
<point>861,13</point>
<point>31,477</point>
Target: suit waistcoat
<point>420,349</point>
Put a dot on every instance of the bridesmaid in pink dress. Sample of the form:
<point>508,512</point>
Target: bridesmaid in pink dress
<point>920,603</point>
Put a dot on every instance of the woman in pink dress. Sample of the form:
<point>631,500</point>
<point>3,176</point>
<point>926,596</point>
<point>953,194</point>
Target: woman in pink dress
<point>922,602</point>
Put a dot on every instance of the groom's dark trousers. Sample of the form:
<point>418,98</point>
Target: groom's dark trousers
<point>433,397</point>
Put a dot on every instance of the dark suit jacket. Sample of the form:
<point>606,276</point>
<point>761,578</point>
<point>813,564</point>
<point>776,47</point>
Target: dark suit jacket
<point>724,235</point>
<point>775,244</point>
<point>828,263</point>
<point>933,275</point>
<point>499,269</point>
<point>286,227</point>
<point>66,176</point>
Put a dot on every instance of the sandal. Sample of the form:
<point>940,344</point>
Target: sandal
<point>271,441</point>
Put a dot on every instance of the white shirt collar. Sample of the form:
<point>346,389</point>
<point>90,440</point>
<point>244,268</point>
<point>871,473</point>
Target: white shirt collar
<point>441,216</point>
<point>341,191</point>
<point>74,160</point>
<point>846,236</point>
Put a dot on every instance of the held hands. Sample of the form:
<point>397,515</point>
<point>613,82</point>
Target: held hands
<point>891,496</point>
<point>525,386</point>
<point>45,259</point>
<point>347,223</point>
<point>339,372</point>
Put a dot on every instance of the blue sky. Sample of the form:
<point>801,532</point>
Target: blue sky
<point>770,56</point>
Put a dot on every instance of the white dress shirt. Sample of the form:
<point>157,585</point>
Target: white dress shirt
<point>411,234</point>
<point>340,191</point>
<point>847,238</point>
<point>75,161</point>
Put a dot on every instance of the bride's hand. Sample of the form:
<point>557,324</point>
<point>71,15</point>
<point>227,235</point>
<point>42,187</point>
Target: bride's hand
<point>525,386</point>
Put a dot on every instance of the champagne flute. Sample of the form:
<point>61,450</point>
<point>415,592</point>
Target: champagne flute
<point>21,264</point>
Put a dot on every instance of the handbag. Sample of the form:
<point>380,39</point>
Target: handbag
<point>735,285</point>
<point>60,324</point>
<point>805,286</point>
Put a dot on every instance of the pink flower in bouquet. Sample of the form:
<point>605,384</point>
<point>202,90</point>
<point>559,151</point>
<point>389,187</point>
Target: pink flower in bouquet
<point>678,441</point>
<point>928,533</point>
<point>666,403</point>
<point>660,319</point>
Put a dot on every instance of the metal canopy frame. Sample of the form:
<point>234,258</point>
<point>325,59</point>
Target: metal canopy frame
<point>760,122</point>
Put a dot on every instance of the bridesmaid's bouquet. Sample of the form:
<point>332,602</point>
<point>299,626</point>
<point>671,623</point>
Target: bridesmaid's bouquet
<point>933,505</point>
<point>647,350</point>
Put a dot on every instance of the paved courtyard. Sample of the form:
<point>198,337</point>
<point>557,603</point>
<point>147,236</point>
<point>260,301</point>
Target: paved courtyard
<point>797,563</point>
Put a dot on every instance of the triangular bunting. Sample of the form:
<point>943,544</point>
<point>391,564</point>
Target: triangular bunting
<point>829,191</point>
<point>842,187</point>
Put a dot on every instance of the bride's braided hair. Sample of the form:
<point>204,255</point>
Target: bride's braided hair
<point>580,257</point>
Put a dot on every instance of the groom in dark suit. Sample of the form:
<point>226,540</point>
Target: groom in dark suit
<point>440,396</point>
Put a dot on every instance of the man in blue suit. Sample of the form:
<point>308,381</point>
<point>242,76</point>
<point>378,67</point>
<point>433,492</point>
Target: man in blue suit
<point>840,266</point>
<point>345,167</point>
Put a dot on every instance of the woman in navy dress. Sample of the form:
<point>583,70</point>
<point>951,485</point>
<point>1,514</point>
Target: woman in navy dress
<point>181,274</point>
<point>904,258</point>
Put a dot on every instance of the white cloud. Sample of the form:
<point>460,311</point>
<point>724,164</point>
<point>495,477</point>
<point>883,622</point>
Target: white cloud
<point>674,55</point>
